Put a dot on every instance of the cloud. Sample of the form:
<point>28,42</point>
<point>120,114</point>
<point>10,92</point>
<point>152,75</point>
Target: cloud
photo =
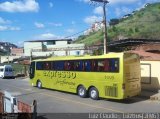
<point>9,28</point>
<point>47,36</point>
<point>118,12</point>
<point>3,21</point>
<point>122,1</point>
<point>114,1</point>
<point>85,1</point>
<point>3,28</point>
<point>98,10</point>
<point>70,30</point>
<point>92,19</point>
<point>20,6</point>
<point>126,10</point>
<point>73,22</point>
<point>151,1</point>
<point>122,11</point>
<point>50,4</point>
<point>39,25</point>
<point>56,24</point>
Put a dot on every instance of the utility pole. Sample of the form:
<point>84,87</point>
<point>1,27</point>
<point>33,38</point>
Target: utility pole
<point>30,55</point>
<point>104,22</point>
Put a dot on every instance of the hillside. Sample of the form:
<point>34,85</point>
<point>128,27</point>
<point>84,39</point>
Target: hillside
<point>5,48</point>
<point>143,23</point>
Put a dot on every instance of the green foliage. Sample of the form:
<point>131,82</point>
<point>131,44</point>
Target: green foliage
<point>136,29</point>
<point>18,68</point>
<point>142,24</point>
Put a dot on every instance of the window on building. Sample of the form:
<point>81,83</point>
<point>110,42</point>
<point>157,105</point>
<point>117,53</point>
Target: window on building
<point>51,43</point>
<point>68,42</point>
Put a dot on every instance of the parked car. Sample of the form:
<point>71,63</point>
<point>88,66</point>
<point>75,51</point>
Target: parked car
<point>6,71</point>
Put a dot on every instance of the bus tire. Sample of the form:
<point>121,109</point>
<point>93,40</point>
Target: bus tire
<point>82,92</point>
<point>39,84</point>
<point>93,93</point>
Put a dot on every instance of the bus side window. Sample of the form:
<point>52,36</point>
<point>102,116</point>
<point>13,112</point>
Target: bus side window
<point>39,66</point>
<point>69,65</point>
<point>66,65</point>
<point>101,65</point>
<point>53,66</point>
<point>81,65</point>
<point>71,68</point>
<point>87,65</point>
<point>60,65</point>
<point>47,65</point>
<point>114,65</point>
<point>78,65</point>
<point>106,65</point>
<point>94,65</point>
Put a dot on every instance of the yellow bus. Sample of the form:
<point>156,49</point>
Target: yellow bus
<point>111,76</point>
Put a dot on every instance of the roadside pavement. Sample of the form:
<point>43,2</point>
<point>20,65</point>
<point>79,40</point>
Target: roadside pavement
<point>152,95</point>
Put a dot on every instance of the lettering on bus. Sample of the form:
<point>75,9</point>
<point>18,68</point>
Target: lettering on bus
<point>64,82</point>
<point>59,74</point>
<point>109,77</point>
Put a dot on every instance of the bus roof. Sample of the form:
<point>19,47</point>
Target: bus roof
<point>109,55</point>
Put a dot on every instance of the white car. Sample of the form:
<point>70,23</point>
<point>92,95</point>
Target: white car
<point>6,71</point>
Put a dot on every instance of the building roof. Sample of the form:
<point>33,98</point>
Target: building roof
<point>147,56</point>
<point>49,40</point>
<point>131,42</point>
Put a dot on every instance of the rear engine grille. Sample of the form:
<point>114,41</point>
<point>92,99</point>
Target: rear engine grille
<point>111,91</point>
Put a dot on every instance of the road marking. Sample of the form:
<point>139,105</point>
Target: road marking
<point>81,103</point>
<point>68,100</point>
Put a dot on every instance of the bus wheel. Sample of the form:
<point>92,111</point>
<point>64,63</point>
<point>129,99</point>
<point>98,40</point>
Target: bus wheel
<point>82,92</point>
<point>39,84</point>
<point>93,93</point>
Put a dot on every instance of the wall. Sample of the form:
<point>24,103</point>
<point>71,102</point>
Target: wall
<point>61,48</point>
<point>17,52</point>
<point>8,58</point>
<point>28,46</point>
<point>150,75</point>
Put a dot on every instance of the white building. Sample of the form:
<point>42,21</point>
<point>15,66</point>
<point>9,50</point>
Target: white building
<point>95,27</point>
<point>60,47</point>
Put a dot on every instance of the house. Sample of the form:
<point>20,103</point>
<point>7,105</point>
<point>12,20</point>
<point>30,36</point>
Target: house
<point>16,52</point>
<point>95,27</point>
<point>58,47</point>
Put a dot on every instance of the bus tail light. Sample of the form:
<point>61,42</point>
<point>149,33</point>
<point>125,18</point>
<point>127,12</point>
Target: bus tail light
<point>123,86</point>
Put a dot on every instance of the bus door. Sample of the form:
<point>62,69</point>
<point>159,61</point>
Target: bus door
<point>32,70</point>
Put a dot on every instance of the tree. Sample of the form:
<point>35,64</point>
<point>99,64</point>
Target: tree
<point>113,22</point>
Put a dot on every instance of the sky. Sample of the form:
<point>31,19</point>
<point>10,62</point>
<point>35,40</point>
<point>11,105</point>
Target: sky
<point>24,20</point>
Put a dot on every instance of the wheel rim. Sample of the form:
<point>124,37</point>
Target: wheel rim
<point>81,91</point>
<point>93,93</point>
<point>39,84</point>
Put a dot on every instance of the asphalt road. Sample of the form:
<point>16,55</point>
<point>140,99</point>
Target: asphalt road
<point>51,101</point>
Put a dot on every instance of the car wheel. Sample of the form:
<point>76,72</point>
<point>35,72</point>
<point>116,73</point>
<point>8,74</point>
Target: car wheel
<point>82,92</point>
<point>93,93</point>
<point>39,84</point>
